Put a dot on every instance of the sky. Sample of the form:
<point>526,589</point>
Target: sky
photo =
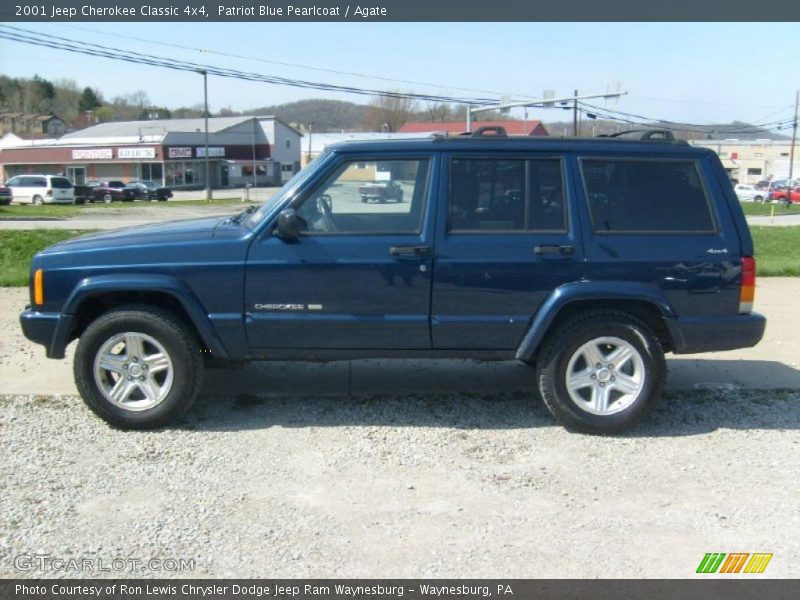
<point>688,72</point>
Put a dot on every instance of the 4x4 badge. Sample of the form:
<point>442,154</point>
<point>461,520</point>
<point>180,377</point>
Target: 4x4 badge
<point>717,251</point>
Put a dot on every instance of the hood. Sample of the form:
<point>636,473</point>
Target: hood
<point>170,232</point>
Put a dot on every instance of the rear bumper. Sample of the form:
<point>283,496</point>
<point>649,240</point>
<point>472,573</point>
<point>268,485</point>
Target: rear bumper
<point>712,333</point>
<point>46,329</point>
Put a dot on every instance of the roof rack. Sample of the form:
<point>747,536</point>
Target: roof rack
<point>647,134</point>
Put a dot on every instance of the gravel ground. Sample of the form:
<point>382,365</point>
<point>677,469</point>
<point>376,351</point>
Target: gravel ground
<point>413,486</point>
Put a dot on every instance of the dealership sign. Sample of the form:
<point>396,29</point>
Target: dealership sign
<point>180,153</point>
<point>212,151</point>
<point>92,154</point>
<point>136,153</point>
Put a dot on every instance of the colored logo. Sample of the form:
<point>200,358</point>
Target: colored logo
<point>735,562</point>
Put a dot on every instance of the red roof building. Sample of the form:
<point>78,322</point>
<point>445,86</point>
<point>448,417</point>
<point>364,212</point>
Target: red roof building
<point>456,127</point>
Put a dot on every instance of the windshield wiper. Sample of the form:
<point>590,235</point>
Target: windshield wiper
<point>238,218</point>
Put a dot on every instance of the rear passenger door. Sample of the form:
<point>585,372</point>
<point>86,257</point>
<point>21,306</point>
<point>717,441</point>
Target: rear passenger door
<point>507,237</point>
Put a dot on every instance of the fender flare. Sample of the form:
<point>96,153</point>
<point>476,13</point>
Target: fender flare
<point>90,287</point>
<point>586,290</point>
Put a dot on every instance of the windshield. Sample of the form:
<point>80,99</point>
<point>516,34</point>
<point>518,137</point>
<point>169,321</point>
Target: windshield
<point>289,188</point>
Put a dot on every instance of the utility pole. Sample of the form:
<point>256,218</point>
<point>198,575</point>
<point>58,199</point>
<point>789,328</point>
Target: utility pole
<point>205,115</point>
<point>575,115</point>
<point>791,149</point>
<point>253,144</point>
<point>310,127</point>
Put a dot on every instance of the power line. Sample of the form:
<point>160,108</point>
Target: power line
<point>86,48</point>
<point>297,65</point>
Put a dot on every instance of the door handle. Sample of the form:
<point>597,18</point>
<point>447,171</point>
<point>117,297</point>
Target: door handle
<point>420,251</point>
<point>553,249</point>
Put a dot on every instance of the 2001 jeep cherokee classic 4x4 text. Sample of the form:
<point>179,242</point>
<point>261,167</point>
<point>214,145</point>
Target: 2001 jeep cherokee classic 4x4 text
<point>586,258</point>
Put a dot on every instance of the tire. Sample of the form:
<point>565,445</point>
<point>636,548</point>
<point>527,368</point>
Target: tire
<point>159,399</point>
<point>579,406</point>
<point>38,200</point>
<point>107,198</point>
<point>759,198</point>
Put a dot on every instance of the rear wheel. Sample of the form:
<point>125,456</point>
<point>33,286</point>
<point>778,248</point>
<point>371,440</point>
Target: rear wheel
<point>601,372</point>
<point>138,367</point>
<point>107,198</point>
<point>38,200</point>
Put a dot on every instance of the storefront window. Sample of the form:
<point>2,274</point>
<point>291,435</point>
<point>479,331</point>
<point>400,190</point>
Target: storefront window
<point>180,173</point>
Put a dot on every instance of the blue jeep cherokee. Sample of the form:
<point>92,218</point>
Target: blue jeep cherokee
<point>586,258</point>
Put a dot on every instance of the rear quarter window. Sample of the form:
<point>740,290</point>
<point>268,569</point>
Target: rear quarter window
<point>646,196</point>
<point>60,182</point>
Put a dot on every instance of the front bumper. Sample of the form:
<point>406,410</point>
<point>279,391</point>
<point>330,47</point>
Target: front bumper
<point>47,329</point>
<point>709,334</point>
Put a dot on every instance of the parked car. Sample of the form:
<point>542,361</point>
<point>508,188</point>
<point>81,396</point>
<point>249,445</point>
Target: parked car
<point>5,195</point>
<point>749,192</point>
<point>110,191</point>
<point>381,191</point>
<point>41,189</point>
<point>586,259</point>
<point>780,193</point>
<point>150,190</point>
<point>83,193</point>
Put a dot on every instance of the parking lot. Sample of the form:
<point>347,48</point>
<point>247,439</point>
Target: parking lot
<point>409,469</point>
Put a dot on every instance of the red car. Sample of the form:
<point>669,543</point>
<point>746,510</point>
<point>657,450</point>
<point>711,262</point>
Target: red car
<point>794,195</point>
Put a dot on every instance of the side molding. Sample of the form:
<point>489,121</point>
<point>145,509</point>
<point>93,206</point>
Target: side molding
<point>586,290</point>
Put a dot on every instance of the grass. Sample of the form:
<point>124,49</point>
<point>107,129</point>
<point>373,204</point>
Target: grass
<point>64,211</point>
<point>17,247</point>
<point>757,209</point>
<point>777,251</point>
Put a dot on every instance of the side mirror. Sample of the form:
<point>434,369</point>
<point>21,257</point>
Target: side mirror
<point>289,225</point>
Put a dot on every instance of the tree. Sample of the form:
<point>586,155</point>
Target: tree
<point>89,100</point>
<point>388,113</point>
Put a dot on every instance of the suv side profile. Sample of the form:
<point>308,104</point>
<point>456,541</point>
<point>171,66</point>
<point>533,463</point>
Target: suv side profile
<point>588,259</point>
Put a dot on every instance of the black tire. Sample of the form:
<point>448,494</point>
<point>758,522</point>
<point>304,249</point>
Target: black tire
<point>552,368</point>
<point>107,198</point>
<point>180,345</point>
<point>38,200</point>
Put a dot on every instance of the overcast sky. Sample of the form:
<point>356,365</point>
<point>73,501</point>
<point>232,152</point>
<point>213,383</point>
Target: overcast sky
<point>696,72</point>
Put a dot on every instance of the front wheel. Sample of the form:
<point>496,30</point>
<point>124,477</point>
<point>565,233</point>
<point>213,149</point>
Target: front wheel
<point>601,372</point>
<point>138,367</point>
<point>107,198</point>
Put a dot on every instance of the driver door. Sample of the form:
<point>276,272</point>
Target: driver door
<point>359,275</point>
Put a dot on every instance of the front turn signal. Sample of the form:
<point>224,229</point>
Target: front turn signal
<point>38,287</point>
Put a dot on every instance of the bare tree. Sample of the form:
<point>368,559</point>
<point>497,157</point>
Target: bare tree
<point>388,113</point>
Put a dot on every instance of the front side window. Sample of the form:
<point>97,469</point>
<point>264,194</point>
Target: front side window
<point>506,195</point>
<point>654,196</point>
<point>383,197</point>
<point>14,181</point>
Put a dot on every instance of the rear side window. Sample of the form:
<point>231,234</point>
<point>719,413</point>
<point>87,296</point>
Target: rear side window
<point>60,182</point>
<point>38,182</point>
<point>506,195</point>
<point>654,196</point>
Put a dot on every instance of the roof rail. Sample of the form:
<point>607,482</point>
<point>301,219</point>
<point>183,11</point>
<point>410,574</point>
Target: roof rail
<point>487,131</point>
<point>647,134</point>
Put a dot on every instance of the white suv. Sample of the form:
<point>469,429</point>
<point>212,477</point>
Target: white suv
<point>41,189</point>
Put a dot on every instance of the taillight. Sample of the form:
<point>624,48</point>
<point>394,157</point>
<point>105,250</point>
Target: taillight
<point>49,192</point>
<point>748,291</point>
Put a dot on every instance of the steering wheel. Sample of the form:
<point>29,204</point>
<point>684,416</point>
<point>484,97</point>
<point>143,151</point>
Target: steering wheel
<point>324,207</point>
